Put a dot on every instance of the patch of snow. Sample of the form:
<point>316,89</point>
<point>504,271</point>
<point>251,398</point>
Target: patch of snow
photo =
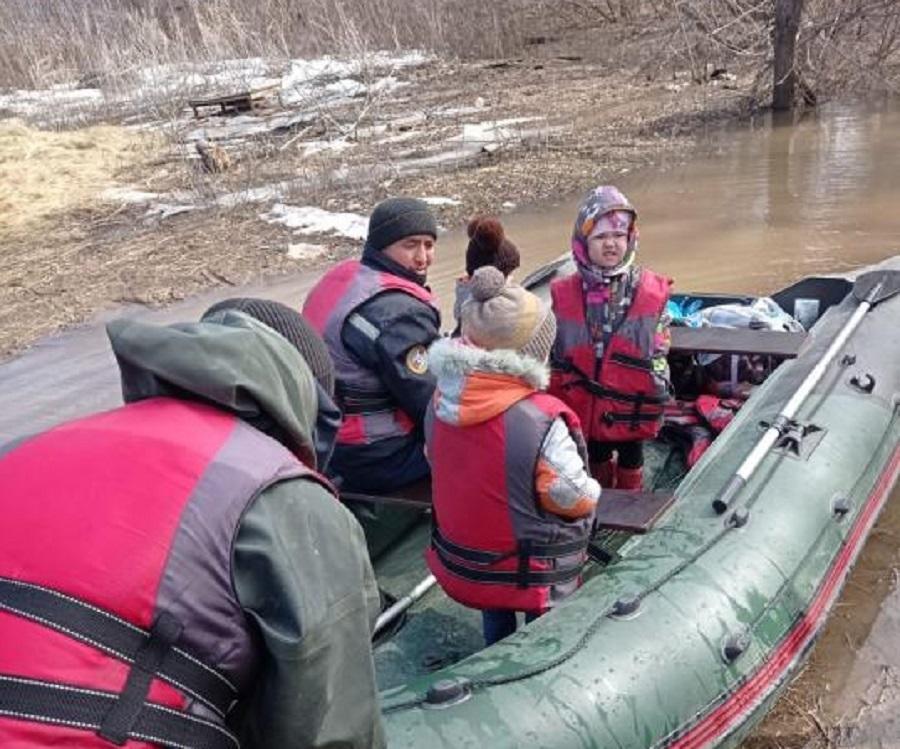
<point>492,131</point>
<point>441,201</point>
<point>318,146</point>
<point>457,111</point>
<point>457,155</point>
<point>252,72</point>
<point>314,80</point>
<point>128,195</point>
<point>246,126</point>
<point>388,83</point>
<point>312,220</point>
<point>27,103</point>
<point>305,251</point>
<point>305,78</point>
<point>260,194</point>
<point>302,72</point>
<point>399,138</point>
<point>167,210</point>
<point>346,88</point>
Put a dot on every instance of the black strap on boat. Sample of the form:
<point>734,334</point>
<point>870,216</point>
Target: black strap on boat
<point>61,704</point>
<point>523,576</point>
<point>120,639</point>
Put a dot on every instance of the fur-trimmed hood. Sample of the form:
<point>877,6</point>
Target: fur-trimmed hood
<point>475,384</point>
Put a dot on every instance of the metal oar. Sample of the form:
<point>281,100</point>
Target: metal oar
<point>402,604</point>
<point>870,289</point>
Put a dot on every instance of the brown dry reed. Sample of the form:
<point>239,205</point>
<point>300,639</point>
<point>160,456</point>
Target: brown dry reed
<point>102,41</point>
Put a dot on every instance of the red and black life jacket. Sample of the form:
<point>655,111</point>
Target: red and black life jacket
<point>617,397</point>
<point>492,546</point>
<point>370,413</point>
<point>118,620</point>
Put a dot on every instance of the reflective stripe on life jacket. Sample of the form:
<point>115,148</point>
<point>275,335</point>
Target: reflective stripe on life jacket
<point>370,412</point>
<point>118,620</point>
<point>493,547</point>
<point>617,397</point>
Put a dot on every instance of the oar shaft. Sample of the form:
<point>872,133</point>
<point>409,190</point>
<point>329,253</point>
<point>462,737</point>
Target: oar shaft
<point>771,435</point>
<point>819,370</point>
<point>401,605</point>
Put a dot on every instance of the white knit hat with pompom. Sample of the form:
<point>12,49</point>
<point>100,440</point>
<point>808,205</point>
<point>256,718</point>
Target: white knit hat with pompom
<point>503,316</point>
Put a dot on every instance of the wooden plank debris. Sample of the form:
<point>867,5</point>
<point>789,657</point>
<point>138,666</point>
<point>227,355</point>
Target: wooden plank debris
<point>242,101</point>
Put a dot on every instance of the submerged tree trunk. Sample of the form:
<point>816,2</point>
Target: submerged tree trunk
<point>787,24</point>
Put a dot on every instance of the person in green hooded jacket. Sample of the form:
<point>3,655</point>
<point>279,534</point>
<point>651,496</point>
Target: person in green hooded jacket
<point>264,572</point>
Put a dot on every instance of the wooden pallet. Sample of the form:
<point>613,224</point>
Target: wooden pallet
<point>242,101</point>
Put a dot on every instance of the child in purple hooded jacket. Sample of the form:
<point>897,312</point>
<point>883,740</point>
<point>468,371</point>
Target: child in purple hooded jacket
<point>609,357</point>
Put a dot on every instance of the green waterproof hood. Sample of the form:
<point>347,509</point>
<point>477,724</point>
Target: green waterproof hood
<point>229,360</point>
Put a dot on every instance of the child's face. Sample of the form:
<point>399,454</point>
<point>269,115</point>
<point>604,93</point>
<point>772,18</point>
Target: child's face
<point>607,250</point>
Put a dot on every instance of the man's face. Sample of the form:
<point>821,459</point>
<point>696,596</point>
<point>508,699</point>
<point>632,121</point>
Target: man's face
<point>415,252</point>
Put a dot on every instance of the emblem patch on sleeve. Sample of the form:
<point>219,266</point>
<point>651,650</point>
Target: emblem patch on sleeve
<point>417,360</point>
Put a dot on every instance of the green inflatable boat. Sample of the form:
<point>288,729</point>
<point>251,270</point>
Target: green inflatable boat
<point>703,596</point>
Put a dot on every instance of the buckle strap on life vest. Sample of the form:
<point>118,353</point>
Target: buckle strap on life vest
<point>120,639</point>
<point>538,551</point>
<point>61,704</point>
<point>523,576</point>
<point>354,400</point>
<point>599,391</point>
<point>121,718</point>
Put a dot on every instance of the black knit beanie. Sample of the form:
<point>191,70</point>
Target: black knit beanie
<point>396,218</point>
<point>292,326</point>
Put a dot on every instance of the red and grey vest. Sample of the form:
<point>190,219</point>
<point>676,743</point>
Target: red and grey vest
<point>370,412</point>
<point>492,546</point>
<point>617,398</point>
<point>118,619</point>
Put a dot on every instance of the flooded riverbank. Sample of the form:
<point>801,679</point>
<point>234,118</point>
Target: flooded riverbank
<point>755,209</point>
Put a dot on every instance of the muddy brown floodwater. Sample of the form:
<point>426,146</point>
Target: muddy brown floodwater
<point>755,209</point>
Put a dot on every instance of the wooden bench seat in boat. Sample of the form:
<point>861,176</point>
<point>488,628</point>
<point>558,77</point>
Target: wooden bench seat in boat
<point>632,512</point>
<point>717,340</point>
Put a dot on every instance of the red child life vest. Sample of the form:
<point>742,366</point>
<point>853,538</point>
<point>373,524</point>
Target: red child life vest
<point>368,409</point>
<point>118,620</point>
<point>617,398</point>
<point>492,546</point>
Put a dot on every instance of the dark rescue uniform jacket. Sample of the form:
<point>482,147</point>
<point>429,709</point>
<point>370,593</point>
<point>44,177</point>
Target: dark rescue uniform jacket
<point>388,335</point>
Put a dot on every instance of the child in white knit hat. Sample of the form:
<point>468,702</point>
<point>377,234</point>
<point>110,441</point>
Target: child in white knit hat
<point>513,501</point>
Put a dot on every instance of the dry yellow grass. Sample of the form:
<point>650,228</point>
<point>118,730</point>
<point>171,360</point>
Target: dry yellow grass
<point>45,174</point>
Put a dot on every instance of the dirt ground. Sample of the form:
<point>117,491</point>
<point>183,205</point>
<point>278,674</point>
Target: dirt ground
<point>67,251</point>
<point>820,710</point>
